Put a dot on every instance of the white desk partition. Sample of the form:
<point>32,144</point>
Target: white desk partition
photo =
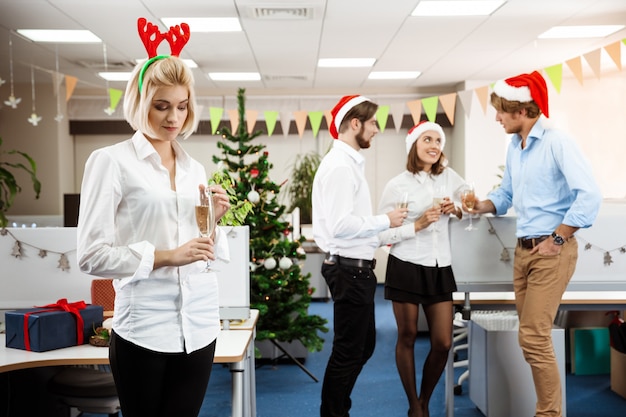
<point>34,277</point>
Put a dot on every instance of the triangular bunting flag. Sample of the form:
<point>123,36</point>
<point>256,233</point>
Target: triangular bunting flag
<point>114,96</point>
<point>593,59</point>
<point>575,65</point>
<point>482,93</point>
<point>448,104</point>
<point>615,52</point>
<point>300,117</point>
<point>233,115</point>
<point>270,121</point>
<point>285,121</point>
<point>70,84</point>
<point>397,114</point>
<point>415,107</point>
<point>465,97</point>
<point>555,73</point>
<point>315,117</point>
<point>215,115</point>
<point>251,116</point>
<point>430,107</point>
<point>382,114</point>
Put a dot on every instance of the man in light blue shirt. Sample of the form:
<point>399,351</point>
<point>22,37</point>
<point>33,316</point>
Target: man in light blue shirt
<point>550,184</point>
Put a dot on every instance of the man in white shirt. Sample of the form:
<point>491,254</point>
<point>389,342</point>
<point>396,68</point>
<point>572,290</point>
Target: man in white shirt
<point>345,228</point>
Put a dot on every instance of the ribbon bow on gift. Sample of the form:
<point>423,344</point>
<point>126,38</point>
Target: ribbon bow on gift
<point>60,305</point>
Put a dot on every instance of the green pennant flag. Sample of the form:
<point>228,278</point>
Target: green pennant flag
<point>115,96</point>
<point>315,117</point>
<point>381,116</point>
<point>555,73</point>
<point>430,107</point>
<point>270,121</point>
<point>215,113</point>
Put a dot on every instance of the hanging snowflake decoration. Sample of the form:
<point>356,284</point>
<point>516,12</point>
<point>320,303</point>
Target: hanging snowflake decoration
<point>64,263</point>
<point>34,119</point>
<point>12,101</point>
<point>608,259</point>
<point>17,250</point>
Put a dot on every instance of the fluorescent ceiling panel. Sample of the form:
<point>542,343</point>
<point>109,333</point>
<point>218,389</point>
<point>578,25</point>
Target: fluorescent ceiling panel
<point>393,75</point>
<point>573,32</point>
<point>115,75</point>
<point>345,62</point>
<point>59,36</point>
<point>234,76</point>
<point>205,24</point>
<point>457,8</point>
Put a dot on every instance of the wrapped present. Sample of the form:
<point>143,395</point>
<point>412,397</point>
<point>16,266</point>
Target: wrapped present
<point>52,326</point>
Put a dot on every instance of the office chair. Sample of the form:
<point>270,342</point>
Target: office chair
<point>90,389</point>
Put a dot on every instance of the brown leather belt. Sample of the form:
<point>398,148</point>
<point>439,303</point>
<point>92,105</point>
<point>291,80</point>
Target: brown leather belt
<point>355,263</point>
<point>530,242</point>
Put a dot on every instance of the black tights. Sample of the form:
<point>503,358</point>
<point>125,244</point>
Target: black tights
<point>439,317</point>
<point>154,384</point>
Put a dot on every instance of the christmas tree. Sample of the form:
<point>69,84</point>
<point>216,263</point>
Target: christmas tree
<point>278,289</point>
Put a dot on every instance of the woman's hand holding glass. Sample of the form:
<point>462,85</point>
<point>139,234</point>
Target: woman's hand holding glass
<point>212,204</point>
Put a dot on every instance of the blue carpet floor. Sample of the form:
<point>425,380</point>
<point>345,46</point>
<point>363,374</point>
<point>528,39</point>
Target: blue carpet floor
<point>284,390</point>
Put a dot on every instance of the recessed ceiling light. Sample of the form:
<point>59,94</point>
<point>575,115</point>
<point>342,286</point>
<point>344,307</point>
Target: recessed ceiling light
<point>457,8</point>
<point>234,76</point>
<point>393,75</point>
<point>59,36</point>
<point>345,62</point>
<point>205,24</point>
<point>115,75</point>
<point>565,32</point>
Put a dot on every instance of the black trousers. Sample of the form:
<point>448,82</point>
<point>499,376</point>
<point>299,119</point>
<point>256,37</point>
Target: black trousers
<point>151,384</point>
<point>352,290</point>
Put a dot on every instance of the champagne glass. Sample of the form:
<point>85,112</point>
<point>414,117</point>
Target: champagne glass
<point>404,201</point>
<point>469,198</point>
<point>205,217</point>
<point>438,196</point>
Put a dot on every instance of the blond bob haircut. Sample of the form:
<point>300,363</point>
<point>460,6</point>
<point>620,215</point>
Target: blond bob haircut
<point>166,72</point>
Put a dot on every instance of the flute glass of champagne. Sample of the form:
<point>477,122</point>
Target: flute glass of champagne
<point>438,196</point>
<point>205,217</point>
<point>404,201</point>
<point>469,198</point>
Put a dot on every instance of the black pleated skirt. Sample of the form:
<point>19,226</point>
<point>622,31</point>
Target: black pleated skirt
<point>418,284</point>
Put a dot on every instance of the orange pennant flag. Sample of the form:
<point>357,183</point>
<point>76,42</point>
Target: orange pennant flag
<point>415,107</point>
<point>251,116</point>
<point>593,59</point>
<point>448,104</point>
<point>233,115</point>
<point>300,117</point>
<point>482,93</point>
<point>328,116</point>
<point>70,84</point>
<point>575,65</point>
<point>615,52</point>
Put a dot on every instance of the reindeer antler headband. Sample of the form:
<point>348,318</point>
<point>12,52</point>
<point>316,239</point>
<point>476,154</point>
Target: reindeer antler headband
<point>177,37</point>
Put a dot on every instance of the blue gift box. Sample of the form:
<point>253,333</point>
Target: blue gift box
<point>51,327</point>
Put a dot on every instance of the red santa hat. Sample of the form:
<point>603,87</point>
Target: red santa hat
<point>524,88</point>
<point>417,131</point>
<point>341,109</point>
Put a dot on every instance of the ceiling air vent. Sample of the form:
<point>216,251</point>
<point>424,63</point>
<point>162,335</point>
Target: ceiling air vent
<point>285,78</point>
<point>282,13</point>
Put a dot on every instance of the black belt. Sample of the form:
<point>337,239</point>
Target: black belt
<point>355,263</point>
<point>530,242</point>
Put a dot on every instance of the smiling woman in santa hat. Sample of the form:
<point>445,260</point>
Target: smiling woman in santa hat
<point>419,270</point>
<point>550,184</point>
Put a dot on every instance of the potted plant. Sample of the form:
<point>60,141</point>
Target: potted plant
<point>9,187</point>
<point>300,185</point>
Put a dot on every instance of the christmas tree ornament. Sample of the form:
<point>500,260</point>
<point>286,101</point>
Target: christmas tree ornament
<point>253,196</point>
<point>285,263</point>
<point>252,267</point>
<point>269,263</point>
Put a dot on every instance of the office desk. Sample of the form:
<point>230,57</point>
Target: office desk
<point>232,348</point>
<point>504,299</point>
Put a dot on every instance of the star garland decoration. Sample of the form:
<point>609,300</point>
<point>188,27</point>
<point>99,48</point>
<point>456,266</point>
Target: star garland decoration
<point>17,251</point>
<point>505,255</point>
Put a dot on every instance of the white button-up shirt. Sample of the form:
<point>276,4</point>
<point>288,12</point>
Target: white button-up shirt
<point>343,222</point>
<point>430,246</point>
<point>127,211</point>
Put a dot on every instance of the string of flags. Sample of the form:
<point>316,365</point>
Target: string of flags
<point>17,251</point>
<point>427,105</point>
